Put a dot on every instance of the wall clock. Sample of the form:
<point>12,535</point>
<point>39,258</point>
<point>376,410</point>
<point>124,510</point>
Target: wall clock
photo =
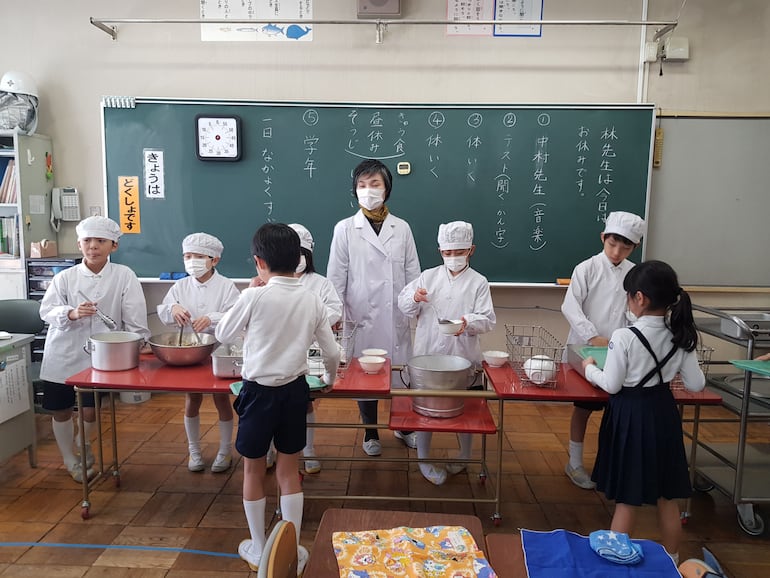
<point>218,137</point>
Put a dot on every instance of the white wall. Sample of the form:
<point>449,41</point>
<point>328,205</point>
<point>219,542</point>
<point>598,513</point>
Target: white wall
<point>75,64</point>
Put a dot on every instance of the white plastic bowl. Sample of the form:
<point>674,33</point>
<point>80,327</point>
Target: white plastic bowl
<point>371,363</point>
<point>495,358</point>
<point>540,369</point>
<point>450,328</point>
<point>374,353</point>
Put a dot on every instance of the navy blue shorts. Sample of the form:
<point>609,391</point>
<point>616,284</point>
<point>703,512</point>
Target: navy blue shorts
<point>271,413</point>
<point>58,396</point>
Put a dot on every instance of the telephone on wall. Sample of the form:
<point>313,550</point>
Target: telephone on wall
<point>65,206</point>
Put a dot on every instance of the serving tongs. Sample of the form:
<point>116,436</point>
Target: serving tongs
<point>106,319</point>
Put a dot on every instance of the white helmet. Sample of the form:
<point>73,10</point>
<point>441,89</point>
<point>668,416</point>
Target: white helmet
<point>18,83</point>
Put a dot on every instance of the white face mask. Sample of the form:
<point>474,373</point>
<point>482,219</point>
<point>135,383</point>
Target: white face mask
<point>370,199</point>
<point>630,317</point>
<point>302,264</point>
<point>196,267</point>
<point>456,264</point>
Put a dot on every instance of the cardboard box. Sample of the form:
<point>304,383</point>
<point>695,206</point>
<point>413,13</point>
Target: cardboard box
<point>42,249</point>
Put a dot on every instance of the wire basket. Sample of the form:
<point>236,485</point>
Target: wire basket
<point>704,361</point>
<point>525,343</point>
<point>345,337</point>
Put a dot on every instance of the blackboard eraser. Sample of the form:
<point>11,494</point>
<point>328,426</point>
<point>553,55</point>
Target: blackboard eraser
<point>560,281</point>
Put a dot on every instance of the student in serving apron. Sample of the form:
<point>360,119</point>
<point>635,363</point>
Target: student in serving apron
<point>372,257</point>
<point>641,457</point>
<point>595,306</point>
<point>457,292</point>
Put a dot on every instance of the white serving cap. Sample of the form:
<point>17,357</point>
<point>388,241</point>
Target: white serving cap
<point>98,227</point>
<point>305,238</point>
<point>455,235</point>
<point>628,225</point>
<point>203,244</point>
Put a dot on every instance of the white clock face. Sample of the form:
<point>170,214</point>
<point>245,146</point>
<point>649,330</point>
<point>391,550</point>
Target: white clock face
<point>219,138</point>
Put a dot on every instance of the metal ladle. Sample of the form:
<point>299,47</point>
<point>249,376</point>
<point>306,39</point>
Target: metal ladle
<point>440,319</point>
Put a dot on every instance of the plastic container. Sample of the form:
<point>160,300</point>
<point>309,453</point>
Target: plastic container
<point>134,396</point>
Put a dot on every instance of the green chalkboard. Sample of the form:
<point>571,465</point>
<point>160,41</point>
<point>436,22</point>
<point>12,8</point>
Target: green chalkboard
<point>535,181</point>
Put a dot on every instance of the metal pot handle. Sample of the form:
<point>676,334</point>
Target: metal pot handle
<point>88,347</point>
<point>401,375</point>
<point>474,377</point>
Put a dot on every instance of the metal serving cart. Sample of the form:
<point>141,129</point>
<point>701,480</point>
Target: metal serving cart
<point>742,470</point>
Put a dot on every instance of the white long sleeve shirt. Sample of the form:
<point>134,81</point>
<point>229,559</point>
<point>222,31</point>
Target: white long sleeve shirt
<point>628,361</point>
<point>117,293</point>
<point>465,295</point>
<point>281,319</point>
<point>322,287</point>
<point>369,271</point>
<point>212,299</point>
<point>595,303</point>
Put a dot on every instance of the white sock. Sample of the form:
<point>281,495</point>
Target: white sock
<point>466,445</point>
<point>309,450</point>
<point>225,437</point>
<point>89,427</point>
<point>423,444</point>
<point>575,454</point>
<point>64,432</point>
<point>255,517</point>
<point>192,425</point>
<point>291,510</point>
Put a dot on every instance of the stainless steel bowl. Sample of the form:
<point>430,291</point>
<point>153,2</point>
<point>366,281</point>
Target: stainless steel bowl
<point>165,347</point>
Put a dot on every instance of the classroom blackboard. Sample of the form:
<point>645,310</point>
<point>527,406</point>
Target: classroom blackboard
<point>710,201</point>
<point>535,181</point>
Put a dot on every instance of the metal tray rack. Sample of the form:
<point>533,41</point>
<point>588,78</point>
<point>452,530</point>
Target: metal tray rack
<point>525,342</point>
<point>346,338</point>
<point>704,360</point>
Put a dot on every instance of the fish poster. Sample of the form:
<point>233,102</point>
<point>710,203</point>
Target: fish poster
<point>260,11</point>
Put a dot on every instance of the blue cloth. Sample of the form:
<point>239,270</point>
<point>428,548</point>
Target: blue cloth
<point>615,546</point>
<point>561,553</point>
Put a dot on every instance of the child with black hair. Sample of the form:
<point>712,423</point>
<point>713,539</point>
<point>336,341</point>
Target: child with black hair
<point>641,457</point>
<point>281,320</point>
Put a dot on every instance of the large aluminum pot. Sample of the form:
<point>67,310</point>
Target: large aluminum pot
<point>439,372</point>
<point>166,347</point>
<point>114,351</point>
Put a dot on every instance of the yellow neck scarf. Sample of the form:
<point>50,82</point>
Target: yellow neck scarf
<point>377,215</point>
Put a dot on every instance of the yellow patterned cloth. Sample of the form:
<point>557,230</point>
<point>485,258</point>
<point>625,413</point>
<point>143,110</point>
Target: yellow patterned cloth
<point>433,552</point>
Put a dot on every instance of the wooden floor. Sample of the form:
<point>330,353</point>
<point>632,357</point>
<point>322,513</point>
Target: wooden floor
<point>167,521</point>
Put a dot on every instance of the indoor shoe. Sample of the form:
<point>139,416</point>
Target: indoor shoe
<point>76,471</point>
<point>434,475</point>
<point>372,447</point>
<point>90,459</point>
<point>312,466</point>
<point>302,557</point>
<point>409,439</point>
<point>579,476</point>
<point>270,458</point>
<point>221,463</point>
<point>195,463</point>
<point>244,551</point>
<point>454,469</point>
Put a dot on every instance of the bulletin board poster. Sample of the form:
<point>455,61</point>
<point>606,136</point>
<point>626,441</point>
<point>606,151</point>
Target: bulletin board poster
<point>259,11</point>
<point>486,10</point>
<point>14,389</point>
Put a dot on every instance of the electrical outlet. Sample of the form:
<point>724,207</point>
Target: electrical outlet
<point>651,50</point>
<point>95,211</point>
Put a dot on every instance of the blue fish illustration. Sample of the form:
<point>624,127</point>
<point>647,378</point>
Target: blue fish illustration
<point>294,31</point>
<point>272,30</point>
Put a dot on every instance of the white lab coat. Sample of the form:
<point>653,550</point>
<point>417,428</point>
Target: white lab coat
<point>212,299</point>
<point>369,271</point>
<point>117,293</point>
<point>595,303</point>
<point>466,295</point>
<point>322,287</point>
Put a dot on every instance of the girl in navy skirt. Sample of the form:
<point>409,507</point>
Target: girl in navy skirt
<point>641,457</point>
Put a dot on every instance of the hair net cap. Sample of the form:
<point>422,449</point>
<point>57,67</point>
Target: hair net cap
<point>203,244</point>
<point>628,225</point>
<point>305,238</point>
<point>98,227</point>
<point>455,235</point>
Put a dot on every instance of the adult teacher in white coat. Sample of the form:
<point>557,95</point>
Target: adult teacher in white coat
<point>372,258</point>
